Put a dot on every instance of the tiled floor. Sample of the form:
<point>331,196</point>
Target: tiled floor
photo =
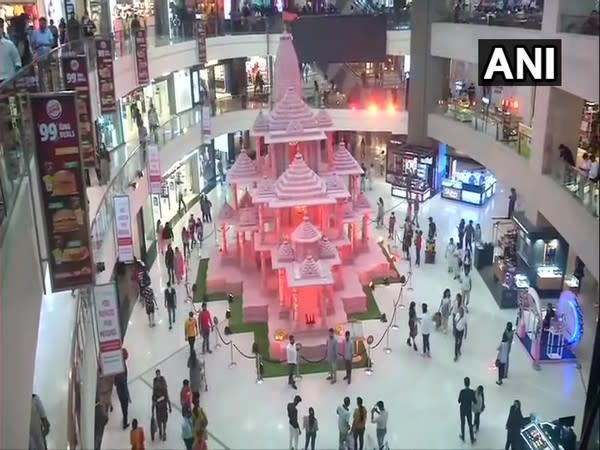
<point>245,415</point>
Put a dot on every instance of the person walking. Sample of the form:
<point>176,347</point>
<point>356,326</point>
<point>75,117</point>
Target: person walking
<point>469,234</point>
<point>161,404</point>
<point>418,246</point>
<point>170,263</point>
<point>332,355</point>
<point>292,361</point>
<point>502,358</point>
<point>466,400</point>
<point>147,295</point>
<point>380,213</point>
<point>170,303</point>
<point>185,239</point>
<point>478,407</point>
<point>180,267</point>
<point>191,229</point>
<point>412,326</point>
<point>431,229</point>
<point>187,429</point>
<point>41,39</point>
<point>460,327</point>
<point>445,309</point>
<point>195,367</point>
<point>10,60</point>
<point>451,258</point>
<point>137,439</point>
<point>191,331</point>
<point>199,231</point>
<point>205,325</point>
<point>343,413</point>
<point>348,353</point>
<point>477,234</point>
<point>186,396</point>
<point>513,427</point>
<point>467,261</point>
<point>294,427</point>
<point>311,426</point>
<point>465,288</point>
<point>359,423</point>
<point>167,236</point>
<point>512,202</point>
<point>461,233</point>
<point>181,206</point>
<point>379,416</point>
<point>122,388</point>
<point>104,157</point>
<point>510,334</point>
<point>159,236</point>
<point>392,226</point>
<point>426,328</point>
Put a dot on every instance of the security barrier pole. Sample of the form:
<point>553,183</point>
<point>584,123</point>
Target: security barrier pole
<point>259,376</point>
<point>232,363</point>
<point>369,369</point>
<point>216,327</point>
<point>298,376</point>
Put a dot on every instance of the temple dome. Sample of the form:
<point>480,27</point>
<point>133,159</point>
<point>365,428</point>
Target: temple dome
<point>306,232</point>
<point>362,202</point>
<point>326,249</point>
<point>285,253</point>
<point>323,119</point>
<point>335,185</point>
<point>310,268</point>
<point>261,123</point>
<point>245,200</point>
<point>299,182</point>
<point>227,213</point>
<point>291,109</point>
<point>344,163</point>
<point>243,170</point>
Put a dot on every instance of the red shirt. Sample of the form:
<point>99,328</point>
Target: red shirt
<point>186,396</point>
<point>205,320</point>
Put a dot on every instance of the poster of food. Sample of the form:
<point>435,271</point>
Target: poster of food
<point>106,76</point>
<point>141,58</point>
<point>76,78</point>
<point>201,42</point>
<point>154,172</point>
<point>62,189</point>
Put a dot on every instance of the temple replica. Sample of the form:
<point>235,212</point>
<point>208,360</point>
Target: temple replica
<point>294,236</point>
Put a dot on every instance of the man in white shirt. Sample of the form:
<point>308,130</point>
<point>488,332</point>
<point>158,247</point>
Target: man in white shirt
<point>460,327</point>
<point>593,173</point>
<point>10,60</point>
<point>344,415</point>
<point>379,416</point>
<point>292,361</point>
<point>426,327</point>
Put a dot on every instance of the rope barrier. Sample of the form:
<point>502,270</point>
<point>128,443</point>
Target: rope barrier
<point>391,322</point>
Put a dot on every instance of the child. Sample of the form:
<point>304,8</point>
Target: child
<point>392,226</point>
<point>450,256</point>
<point>478,406</point>
<point>445,307</point>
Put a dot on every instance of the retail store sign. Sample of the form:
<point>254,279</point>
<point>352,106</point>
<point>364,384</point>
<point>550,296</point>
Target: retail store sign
<point>75,77</point>
<point>520,62</point>
<point>154,174</point>
<point>62,189</point>
<point>108,326</point>
<point>124,235</point>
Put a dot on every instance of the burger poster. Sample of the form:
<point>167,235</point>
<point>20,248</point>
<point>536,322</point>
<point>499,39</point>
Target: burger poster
<point>106,76</point>
<point>62,187</point>
<point>75,76</point>
<point>141,57</point>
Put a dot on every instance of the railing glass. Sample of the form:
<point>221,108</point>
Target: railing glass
<point>529,19</point>
<point>578,184</point>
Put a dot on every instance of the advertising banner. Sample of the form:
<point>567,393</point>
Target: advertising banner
<point>106,76</point>
<point>206,121</point>
<point>201,42</point>
<point>75,76</point>
<point>124,237</point>
<point>141,57</point>
<point>62,187</point>
<point>154,174</point>
<point>109,329</point>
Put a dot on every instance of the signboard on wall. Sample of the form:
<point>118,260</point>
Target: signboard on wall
<point>206,120</point>
<point>141,57</point>
<point>75,76</point>
<point>109,329</point>
<point>62,190</point>
<point>124,235</point>
<point>154,173</point>
<point>201,43</point>
<point>106,76</point>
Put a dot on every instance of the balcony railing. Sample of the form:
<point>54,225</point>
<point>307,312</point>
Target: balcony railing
<point>577,183</point>
<point>496,17</point>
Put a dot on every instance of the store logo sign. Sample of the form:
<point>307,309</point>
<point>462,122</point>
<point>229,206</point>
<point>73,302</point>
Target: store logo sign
<point>520,62</point>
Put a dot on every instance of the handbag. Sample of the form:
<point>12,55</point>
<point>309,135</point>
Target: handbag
<point>153,426</point>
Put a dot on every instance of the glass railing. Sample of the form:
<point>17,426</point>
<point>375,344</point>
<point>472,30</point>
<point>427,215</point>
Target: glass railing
<point>501,126</point>
<point>531,19</point>
<point>577,183</point>
<point>589,24</point>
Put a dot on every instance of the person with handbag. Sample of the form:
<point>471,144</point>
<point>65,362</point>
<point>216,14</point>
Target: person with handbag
<point>459,326</point>
<point>502,358</point>
<point>359,423</point>
<point>161,404</point>
<point>478,407</point>
<point>412,326</point>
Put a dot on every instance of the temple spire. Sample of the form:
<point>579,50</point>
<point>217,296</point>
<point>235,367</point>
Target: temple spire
<point>287,69</point>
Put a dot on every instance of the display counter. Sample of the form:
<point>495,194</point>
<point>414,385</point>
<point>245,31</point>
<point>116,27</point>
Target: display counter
<point>512,283</point>
<point>549,278</point>
<point>571,283</point>
<point>469,188</point>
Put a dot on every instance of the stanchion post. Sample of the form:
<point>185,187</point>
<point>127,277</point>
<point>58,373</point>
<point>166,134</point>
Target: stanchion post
<point>369,369</point>
<point>232,363</point>
<point>216,327</point>
<point>387,349</point>
<point>410,286</point>
<point>298,375</point>
<point>398,301</point>
<point>259,378</point>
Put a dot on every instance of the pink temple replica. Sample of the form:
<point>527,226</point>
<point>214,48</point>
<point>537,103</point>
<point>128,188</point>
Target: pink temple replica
<point>295,237</point>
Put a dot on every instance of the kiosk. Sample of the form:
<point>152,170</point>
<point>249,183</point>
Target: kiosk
<point>473,187</point>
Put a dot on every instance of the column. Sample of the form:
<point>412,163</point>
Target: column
<point>556,121</point>
<point>428,74</point>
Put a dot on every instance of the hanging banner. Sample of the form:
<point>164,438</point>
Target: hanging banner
<point>206,120</point>
<point>75,76</point>
<point>154,174</point>
<point>109,329</point>
<point>62,189</point>
<point>106,76</point>
<point>141,58</point>
<point>124,235</point>
<point>201,42</point>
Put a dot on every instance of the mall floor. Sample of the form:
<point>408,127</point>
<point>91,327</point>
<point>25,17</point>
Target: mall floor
<point>419,393</point>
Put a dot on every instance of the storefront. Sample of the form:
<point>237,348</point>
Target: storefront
<point>468,182</point>
<point>182,85</point>
<point>258,66</point>
<point>109,130</point>
<point>146,223</point>
<point>412,170</point>
<point>199,85</point>
<point>157,94</point>
<point>10,10</point>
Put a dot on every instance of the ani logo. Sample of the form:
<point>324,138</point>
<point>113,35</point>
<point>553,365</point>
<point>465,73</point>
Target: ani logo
<point>54,109</point>
<point>74,65</point>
